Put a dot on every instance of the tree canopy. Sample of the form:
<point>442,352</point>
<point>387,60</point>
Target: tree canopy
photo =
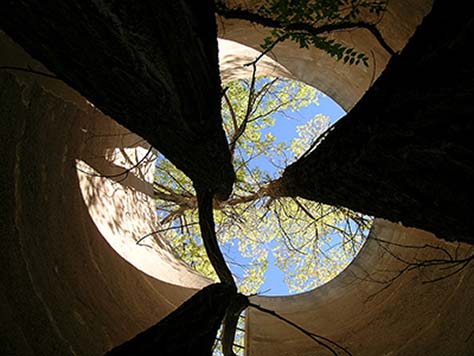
<point>310,242</point>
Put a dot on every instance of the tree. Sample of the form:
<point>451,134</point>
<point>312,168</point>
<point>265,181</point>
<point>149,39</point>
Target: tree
<point>309,22</point>
<point>311,242</point>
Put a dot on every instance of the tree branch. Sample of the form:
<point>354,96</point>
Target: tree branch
<point>206,222</point>
<point>235,308</point>
<point>302,207</point>
<point>321,340</point>
<point>241,14</point>
<point>250,102</point>
<point>124,173</point>
<point>179,199</point>
<point>232,113</point>
<point>163,230</point>
<point>174,214</point>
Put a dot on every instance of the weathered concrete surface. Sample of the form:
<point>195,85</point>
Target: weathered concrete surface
<point>133,61</point>
<point>413,315</point>
<point>345,84</point>
<point>63,289</point>
<point>235,57</point>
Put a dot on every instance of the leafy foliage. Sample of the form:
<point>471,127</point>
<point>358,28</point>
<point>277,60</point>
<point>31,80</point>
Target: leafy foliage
<point>309,241</point>
<point>309,22</point>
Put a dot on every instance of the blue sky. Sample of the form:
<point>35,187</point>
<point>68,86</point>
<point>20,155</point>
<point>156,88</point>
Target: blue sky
<point>285,130</point>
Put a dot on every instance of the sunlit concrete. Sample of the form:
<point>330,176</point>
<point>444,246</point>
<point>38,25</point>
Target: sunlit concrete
<point>344,84</point>
<point>73,281</point>
<point>122,205</point>
<point>235,62</point>
<point>381,304</point>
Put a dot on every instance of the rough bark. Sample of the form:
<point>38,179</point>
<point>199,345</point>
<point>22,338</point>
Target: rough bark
<point>152,66</point>
<point>405,152</point>
<point>189,331</point>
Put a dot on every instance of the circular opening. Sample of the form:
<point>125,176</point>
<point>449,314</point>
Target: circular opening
<point>116,174</point>
<point>273,245</point>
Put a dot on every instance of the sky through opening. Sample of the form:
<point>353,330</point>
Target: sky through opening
<point>273,246</point>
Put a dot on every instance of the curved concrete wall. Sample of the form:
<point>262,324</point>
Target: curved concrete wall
<point>345,84</point>
<point>381,304</point>
<point>73,281</point>
<point>234,59</point>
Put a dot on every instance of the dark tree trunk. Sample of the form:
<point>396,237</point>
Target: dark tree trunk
<point>189,331</point>
<point>151,65</point>
<point>405,152</point>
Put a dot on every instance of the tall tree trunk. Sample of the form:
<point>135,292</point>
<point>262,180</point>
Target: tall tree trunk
<point>151,65</point>
<point>189,331</point>
<point>405,152</point>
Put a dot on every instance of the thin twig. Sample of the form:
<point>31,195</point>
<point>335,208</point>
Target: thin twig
<point>124,173</point>
<point>315,337</point>
<point>238,133</point>
<point>163,230</point>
